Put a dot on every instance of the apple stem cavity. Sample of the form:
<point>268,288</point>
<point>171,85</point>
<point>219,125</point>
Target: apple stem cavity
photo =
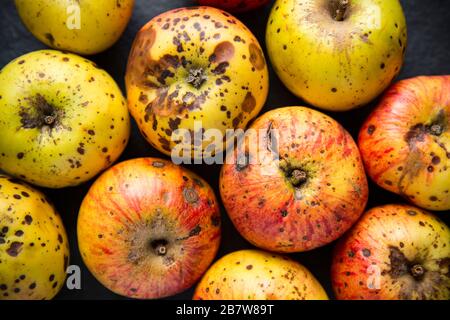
<point>295,176</point>
<point>41,115</point>
<point>436,129</point>
<point>196,77</point>
<point>339,8</point>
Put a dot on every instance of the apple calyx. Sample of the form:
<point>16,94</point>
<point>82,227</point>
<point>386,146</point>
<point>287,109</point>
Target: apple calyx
<point>159,246</point>
<point>196,77</point>
<point>338,9</point>
<point>296,176</point>
<point>40,115</point>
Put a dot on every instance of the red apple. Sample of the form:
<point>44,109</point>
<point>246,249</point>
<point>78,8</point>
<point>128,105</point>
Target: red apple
<point>148,228</point>
<point>297,182</point>
<point>393,252</point>
<point>405,142</point>
<point>234,6</point>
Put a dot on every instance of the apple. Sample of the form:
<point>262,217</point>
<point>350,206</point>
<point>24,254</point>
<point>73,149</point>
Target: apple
<point>194,66</point>
<point>336,54</point>
<point>235,6</point>
<point>295,183</point>
<point>34,251</point>
<point>148,228</point>
<point>393,252</point>
<point>405,141</point>
<point>84,27</point>
<point>64,119</point>
<point>258,275</point>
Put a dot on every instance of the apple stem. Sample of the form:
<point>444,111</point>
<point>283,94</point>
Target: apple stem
<point>339,9</point>
<point>417,270</point>
<point>196,77</point>
<point>161,250</point>
<point>436,129</point>
<point>298,177</point>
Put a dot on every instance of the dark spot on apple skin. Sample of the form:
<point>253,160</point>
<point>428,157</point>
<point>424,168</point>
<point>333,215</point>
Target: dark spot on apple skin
<point>256,57</point>
<point>371,129</point>
<point>50,38</point>
<point>28,219</point>
<point>196,231</point>
<point>14,249</point>
<point>158,164</point>
<point>249,267</point>
<point>411,212</point>
<point>223,52</point>
<point>334,90</point>
<point>20,155</point>
<point>436,160</point>
<point>366,252</point>
<point>249,103</point>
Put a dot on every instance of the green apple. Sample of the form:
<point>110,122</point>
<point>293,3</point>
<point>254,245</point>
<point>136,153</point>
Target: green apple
<point>336,54</point>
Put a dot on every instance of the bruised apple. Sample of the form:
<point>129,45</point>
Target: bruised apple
<point>148,228</point>
<point>296,182</point>
<point>336,54</point>
<point>405,142</point>
<point>394,252</point>
<point>234,5</point>
<point>191,70</point>
<point>258,275</point>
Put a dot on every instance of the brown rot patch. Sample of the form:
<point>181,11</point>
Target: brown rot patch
<point>190,195</point>
<point>224,51</point>
<point>40,114</point>
<point>249,103</point>
<point>256,57</point>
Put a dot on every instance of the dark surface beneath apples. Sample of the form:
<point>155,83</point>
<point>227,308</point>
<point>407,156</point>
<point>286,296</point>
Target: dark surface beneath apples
<point>428,54</point>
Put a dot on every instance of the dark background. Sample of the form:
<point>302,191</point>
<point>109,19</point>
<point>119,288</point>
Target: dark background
<point>428,53</point>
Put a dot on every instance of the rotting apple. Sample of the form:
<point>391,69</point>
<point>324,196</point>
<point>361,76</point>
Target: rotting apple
<point>34,251</point>
<point>393,252</point>
<point>84,27</point>
<point>297,181</point>
<point>258,275</point>
<point>194,65</point>
<point>405,142</point>
<point>148,228</point>
<point>336,54</point>
<point>62,119</point>
<point>235,6</point>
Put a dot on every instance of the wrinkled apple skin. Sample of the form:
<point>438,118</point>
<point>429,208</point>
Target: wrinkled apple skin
<point>89,126</point>
<point>336,65</point>
<point>405,142</point>
<point>391,244</point>
<point>276,215</point>
<point>164,91</point>
<point>234,6</point>
<point>138,208</point>
<point>34,251</point>
<point>53,22</point>
<point>258,275</point>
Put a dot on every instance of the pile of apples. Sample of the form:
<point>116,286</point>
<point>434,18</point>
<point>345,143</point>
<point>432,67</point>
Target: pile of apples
<point>149,228</point>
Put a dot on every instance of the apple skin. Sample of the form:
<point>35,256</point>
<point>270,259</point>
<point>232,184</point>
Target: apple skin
<point>402,151</point>
<point>258,275</point>
<point>270,209</point>
<point>102,22</point>
<point>148,229</point>
<point>234,6</point>
<point>396,243</point>
<point>194,65</point>
<point>336,65</point>
<point>34,250</point>
<point>64,118</point>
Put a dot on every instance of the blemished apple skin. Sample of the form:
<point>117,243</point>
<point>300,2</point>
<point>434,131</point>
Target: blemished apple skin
<point>336,65</point>
<point>54,22</point>
<point>258,275</point>
<point>275,212</point>
<point>148,229</point>
<point>34,250</point>
<point>234,6</point>
<point>62,119</point>
<point>194,65</point>
<point>405,141</point>
<point>394,252</point>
